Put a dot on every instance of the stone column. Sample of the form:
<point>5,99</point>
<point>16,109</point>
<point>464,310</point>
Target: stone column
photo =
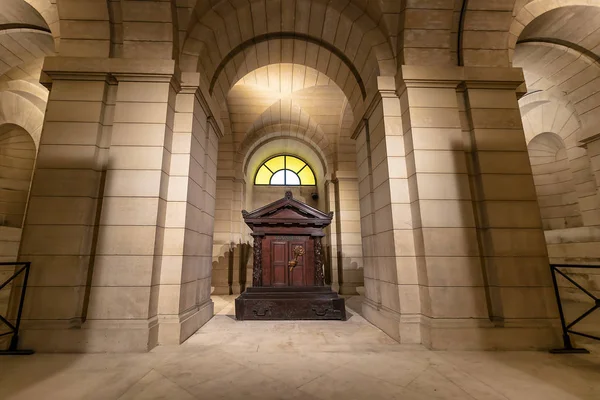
<point>223,248</point>
<point>593,151</point>
<point>450,274</point>
<point>184,302</point>
<point>392,299</point>
<point>239,247</point>
<point>513,250</point>
<point>348,246</point>
<point>61,224</point>
<point>203,247</point>
<point>330,244</point>
<point>124,300</point>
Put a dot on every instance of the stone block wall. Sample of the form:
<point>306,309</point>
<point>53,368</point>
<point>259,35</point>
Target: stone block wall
<point>576,246</point>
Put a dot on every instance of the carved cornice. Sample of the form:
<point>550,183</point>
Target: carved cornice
<point>455,77</point>
<point>215,125</point>
<point>585,142</point>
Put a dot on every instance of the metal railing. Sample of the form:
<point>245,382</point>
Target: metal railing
<point>13,348</point>
<point>567,328</point>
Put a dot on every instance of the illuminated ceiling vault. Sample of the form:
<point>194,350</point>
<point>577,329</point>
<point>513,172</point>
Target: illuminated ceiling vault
<point>292,99</point>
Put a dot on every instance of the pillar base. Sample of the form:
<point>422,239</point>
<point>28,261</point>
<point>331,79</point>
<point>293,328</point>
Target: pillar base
<point>237,289</point>
<point>402,328</point>
<point>349,289</point>
<point>463,334</point>
<point>122,336</point>
<point>468,334</point>
<point>176,330</point>
<point>112,336</point>
<point>221,290</point>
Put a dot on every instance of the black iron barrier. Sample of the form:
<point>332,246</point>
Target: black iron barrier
<point>21,268</point>
<point>567,328</point>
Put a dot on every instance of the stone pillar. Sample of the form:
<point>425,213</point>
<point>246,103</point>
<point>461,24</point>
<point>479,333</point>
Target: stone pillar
<point>330,244</point>
<point>124,300</point>
<point>392,299</point>
<point>452,239</point>
<point>229,249</point>
<point>213,133</point>
<point>184,302</point>
<point>61,224</point>
<point>348,246</point>
<point>239,247</point>
<point>122,255</point>
<point>593,151</point>
<point>223,248</point>
<point>513,250</point>
<point>449,267</point>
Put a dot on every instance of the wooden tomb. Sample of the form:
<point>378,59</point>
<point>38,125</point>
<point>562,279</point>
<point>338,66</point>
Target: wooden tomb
<point>287,275</point>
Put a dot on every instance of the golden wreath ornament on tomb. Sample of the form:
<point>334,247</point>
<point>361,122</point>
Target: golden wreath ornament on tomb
<point>298,252</point>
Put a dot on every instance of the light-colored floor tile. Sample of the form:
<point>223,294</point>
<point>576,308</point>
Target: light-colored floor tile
<point>306,360</point>
<point>154,386</point>
<point>248,384</point>
<point>343,383</point>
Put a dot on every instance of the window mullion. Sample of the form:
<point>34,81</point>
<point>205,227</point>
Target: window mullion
<point>284,170</point>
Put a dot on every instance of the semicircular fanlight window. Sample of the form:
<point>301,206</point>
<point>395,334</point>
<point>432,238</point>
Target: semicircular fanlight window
<point>285,171</point>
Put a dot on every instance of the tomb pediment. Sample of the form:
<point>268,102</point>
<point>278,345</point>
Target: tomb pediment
<point>287,211</point>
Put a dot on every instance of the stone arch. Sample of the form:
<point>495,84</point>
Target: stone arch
<point>489,33</point>
<point>85,28</point>
<point>17,159</point>
<point>567,77</point>
<point>525,12</point>
<point>554,183</point>
<point>304,127</point>
<point>557,51</point>
<point>35,94</point>
<point>49,12</point>
<point>481,31</point>
<point>321,57</point>
<point>16,110</point>
<point>251,147</point>
<point>226,32</point>
<point>282,145</point>
<point>543,113</point>
<point>427,32</point>
<point>144,29</point>
<point>284,95</point>
<point>33,45</point>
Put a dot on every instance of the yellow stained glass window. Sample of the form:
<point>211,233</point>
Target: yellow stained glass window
<point>294,164</point>
<point>276,163</point>
<point>263,176</point>
<point>306,176</point>
<point>285,171</point>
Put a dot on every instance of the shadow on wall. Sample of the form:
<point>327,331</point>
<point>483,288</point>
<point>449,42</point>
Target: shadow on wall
<point>483,285</point>
<point>230,271</point>
<point>334,268</point>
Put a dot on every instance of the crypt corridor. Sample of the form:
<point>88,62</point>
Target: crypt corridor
<point>457,143</point>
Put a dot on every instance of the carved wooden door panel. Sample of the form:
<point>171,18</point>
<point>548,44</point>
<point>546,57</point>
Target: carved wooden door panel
<point>279,262</point>
<point>276,257</point>
<point>297,276</point>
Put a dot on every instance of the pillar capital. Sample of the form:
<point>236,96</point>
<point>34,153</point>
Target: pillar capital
<point>469,77</point>
<point>344,176</point>
<point>589,140</point>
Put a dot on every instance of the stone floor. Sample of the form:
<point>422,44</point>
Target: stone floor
<point>306,360</point>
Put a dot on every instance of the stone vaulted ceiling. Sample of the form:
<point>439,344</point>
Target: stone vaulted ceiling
<point>290,98</point>
<point>25,40</point>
